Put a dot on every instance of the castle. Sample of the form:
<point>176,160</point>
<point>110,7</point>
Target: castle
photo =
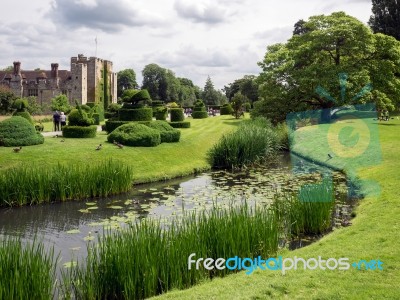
<point>90,80</point>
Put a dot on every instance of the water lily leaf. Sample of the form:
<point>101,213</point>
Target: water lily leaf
<point>128,202</point>
<point>73,231</point>
<point>85,211</point>
<point>70,264</point>
<point>90,203</point>
<point>93,208</point>
<point>88,238</point>
<point>115,207</point>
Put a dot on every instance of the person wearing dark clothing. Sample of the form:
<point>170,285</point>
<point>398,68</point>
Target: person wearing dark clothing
<point>56,121</point>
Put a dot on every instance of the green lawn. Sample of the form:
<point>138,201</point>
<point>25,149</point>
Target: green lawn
<point>149,164</point>
<point>374,234</point>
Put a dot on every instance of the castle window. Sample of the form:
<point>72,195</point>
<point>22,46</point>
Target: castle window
<point>33,92</point>
<point>76,77</point>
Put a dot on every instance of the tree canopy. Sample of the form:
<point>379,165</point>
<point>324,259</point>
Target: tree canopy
<point>334,62</point>
<point>7,99</point>
<point>386,17</point>
<point>126,80</point>
<point>210,95</point>
<point>247,86</point>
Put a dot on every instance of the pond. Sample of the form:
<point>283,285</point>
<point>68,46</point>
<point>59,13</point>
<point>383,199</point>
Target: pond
<point>69,226</point>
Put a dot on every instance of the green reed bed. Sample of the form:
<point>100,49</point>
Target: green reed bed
<point>37,184</point>
<point>27,271</point>
<point>308,212</point>
<point>149,259</point>
<point>253,141</point>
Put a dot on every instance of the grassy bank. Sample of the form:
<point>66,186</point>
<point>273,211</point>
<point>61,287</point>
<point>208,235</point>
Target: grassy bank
<point>373,235</point>
<point>149,164</point>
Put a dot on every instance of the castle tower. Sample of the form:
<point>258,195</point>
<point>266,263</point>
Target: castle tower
<point>16,80</point>
<point>54,79</point>
<point>79,73</point>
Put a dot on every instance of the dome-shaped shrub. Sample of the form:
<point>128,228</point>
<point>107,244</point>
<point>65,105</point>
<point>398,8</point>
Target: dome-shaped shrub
<point>20,104</point>
<point>226,109</point>
<point>177,114</point>
<point>18,131</point>
<point>167,133</point>
<point>133,134</point>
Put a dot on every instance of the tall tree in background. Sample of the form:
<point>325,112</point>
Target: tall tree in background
<point>210,95</point>
<point>247,86</point>
<point>386,17</point>
<point>155,81</point>
<point>329,66</point>
<point>7,98</point>
<point>126,80</point>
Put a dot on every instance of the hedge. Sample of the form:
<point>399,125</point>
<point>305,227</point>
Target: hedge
<point>226,109</point>
<point>199,115</point>
<point>18,131</point>
<point>167,133</point>
<point>75,118</point>
<point>199,108</point>
<point>141,95</point>
<point>79,131</point>
<point>134,134</point>
<point>177,114</point>
<point>140,114</point>
<point>157,103</point>
<point>96,118</point>
<point>183,124</point>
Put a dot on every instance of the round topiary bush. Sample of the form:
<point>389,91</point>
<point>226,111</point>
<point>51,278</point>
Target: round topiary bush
<point>25,115</point>
<point>18,131</point>
<point>134,134</point>
<point>199,115</point>
<point>86,108</point>
<point>177,114</point>
<point>20,104</point>
<point>167,133</point>
<point>79,118</point>
<point>226,109</point>
<point>81,132</point>
<point>140,114</point>
<point>160,112</point>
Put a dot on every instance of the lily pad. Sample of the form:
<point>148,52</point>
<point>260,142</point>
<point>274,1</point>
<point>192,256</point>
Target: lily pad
<point>91,203</point>
<point>115,207</point>
<point>73,231</point>
<point>93,208</point>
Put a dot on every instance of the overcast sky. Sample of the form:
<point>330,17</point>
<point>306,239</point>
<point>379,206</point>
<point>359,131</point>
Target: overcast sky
<point>221,38</point>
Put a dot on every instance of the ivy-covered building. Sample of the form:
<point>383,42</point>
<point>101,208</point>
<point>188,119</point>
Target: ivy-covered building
<point>90,80</point>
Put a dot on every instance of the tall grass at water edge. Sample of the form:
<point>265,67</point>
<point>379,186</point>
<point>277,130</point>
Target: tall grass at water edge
<point>253,141</point>
<point>309,211</point>
<point>27,271</point>
<point>37,184</point>
<point>148,259</point>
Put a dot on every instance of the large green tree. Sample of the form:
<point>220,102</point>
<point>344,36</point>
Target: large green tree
<point>332,63</point>
<point>155,81</point>
<point>126,80</point>
<point>7,99</point>
<point>247,86</point>
<point>386,17</point>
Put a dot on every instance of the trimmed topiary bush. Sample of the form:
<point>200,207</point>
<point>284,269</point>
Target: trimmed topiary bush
<point>199,115</point>
<point>183,124</point>
<point>140,114</point>
<point>25,115</point>
<point>79,131</point>
<point>134,134</point>
<point>112,125</point>
<point>160,113</point>
<point>96,118</point>
<point>20,104</point>
<point>177,114</point>
<point>86,108</point>
<point>79,118</point>
<point>142,95</point>
<point>226,109</point>
<point>167,133</point>
<point>18,131</point>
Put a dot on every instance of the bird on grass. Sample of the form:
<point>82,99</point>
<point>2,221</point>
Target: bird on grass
<point>16,150</point>
<point>120,146</point>
<point>62,141</point>
<point>56,136</point>
<point>99,147</point>
<point>330,156</point>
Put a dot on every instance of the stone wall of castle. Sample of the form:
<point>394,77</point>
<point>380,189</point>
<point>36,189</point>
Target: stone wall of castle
<point>88,80</point>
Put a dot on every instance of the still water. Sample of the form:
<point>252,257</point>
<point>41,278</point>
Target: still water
<point>70,226</point>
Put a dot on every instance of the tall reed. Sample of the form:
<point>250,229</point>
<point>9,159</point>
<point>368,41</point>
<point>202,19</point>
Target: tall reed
<point>253,141</point>
<point>36,184</point>
<point>308,212</point>
<point>147,259</point>
<point>27,271</point>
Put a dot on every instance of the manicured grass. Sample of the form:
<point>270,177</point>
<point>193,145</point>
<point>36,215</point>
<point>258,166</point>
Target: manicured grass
<point>165,161</point>
<point>374,234</point>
